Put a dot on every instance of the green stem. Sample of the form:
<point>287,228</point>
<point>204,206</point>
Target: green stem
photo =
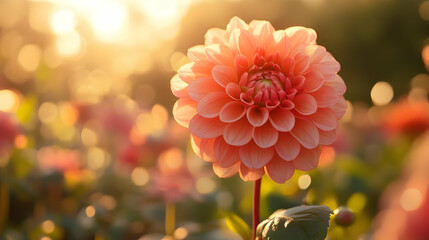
<point>256,203</point>
<point>170,216</point>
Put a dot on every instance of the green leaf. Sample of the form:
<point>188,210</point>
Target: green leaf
<point>238,225</point>
<point>297,223</point>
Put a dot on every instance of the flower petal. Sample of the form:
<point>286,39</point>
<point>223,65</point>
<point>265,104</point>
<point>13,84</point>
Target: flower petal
<point>281,44</point>
<point>226,172</point>
<point>278,170</point>
<point>305,104</point>
<point>262,30</point>
<point>197,53</point>
<point>308,159</point>
<point>211,104</point>
<point>300,35</point>
<point>324,119</point>
<point>306,133</point>
<point>257,115</point>
<point>287,147</point>
<point>226,154</point>
<point>337,83</point>
<point>238,133</point>
<point>265,135</point>
<point>313,81</point>
<point>223,75</point>
<point>203,148</point>
<point>255,157</point>
<point>250,174</point>
<point>184,110</point>
<point>193,70</point>
<point>206,127</point>
<point>233,90</point>
<point>241,64</point>
<point>326,96</point>
<point>236,23</point>
<point>340,107</point>
<point>302,62</point>
<point>241,41</point>
<point>282,119</point>
<point>220,55</point>
<point>179,87</point>
<point>328,137</point>
<point>232,111</point>
<point>202,87</point>
<point>215,36</point>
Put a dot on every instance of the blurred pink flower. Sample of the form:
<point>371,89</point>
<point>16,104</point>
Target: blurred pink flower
<point>405,204</point>
<point>57,159</point>
<point>258,100</point>
<point>172,179</point>
<point>404,117</point>
<point>9,129</point>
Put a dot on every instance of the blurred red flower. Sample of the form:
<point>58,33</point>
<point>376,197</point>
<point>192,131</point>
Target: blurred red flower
<point>9,129</point>
<point>258,100</point>
<point>171,178</point>
<point>405,204</point>
<point>404,117</point>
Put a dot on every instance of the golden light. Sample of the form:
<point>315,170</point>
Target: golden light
<point>180,233</point>
<point>425,54</point>
<point>62,21</point>
<point>51,57</point>
<point>164,12</point>
<point>29,57</point>
<point>48,112</point>
<point>90,211</point>
<point>108,19</point>
<point>304,181</point>
<point>69,45</point>
<point>171,160</point>
<point>424,10</point>
<point>20,141</point>
<point>381,93</point>
<point>45,238</point>
<point>205,185</point>
<point>68,113</point>
<point>140,176</point>
<point>9,101</point>
<point>108,202</point>
<point>89,137</point>
<point>357,202</point>
<point>96,158</point>
<point>411,199</point>
<point>48,226</point>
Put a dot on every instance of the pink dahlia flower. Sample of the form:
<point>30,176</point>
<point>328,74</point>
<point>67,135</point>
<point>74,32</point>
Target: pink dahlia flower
<point>258,100</point>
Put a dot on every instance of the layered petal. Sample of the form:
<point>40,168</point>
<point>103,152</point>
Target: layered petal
<point>232,111</point>
<point>324,119</point>
<point>204,148</point>
<point>282,119</point>
<point>223,75</point>
<point>307,159</point>
<point>202,87</point>
<point>306,133</point>
<point>305,104</point>
<point>265,135</point>
<point>211,104</point>
<point>287,147</point>
<point>184,110</point>
<point>257,116</point>
<point>238,133</point>
<point>179,87</point>
<point>206,127</point>
<point>226,172</point>
<point>278,170</point>
<point>250,174</point>
<point>255,157</point>
<point>225,154</point>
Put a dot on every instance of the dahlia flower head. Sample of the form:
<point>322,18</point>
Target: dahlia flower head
<point>258,101</point>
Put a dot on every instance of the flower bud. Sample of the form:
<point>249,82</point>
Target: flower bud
<point>344,216</point>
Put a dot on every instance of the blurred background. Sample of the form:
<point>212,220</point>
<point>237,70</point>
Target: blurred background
<point>89,149</point>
